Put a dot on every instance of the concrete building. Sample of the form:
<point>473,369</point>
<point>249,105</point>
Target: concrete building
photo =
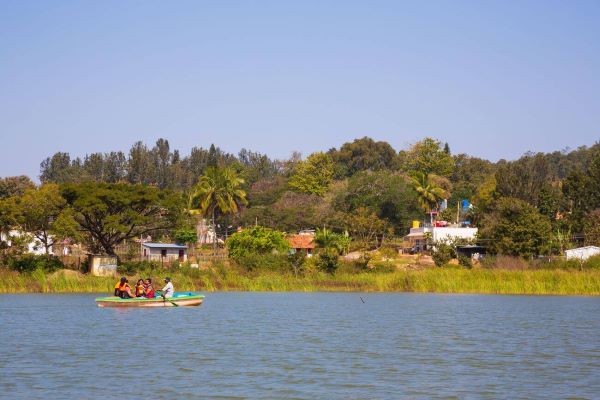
<point>418,235</point>
<point>582,253</point>
<point>303,241</point>
<point>164,252</point>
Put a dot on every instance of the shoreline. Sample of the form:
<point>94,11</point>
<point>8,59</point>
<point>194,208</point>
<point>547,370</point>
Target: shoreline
<point>555,282</point>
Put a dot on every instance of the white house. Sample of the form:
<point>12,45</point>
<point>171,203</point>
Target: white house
<point>582,253</point>
<point>164,252</point>
<point>417,235</point>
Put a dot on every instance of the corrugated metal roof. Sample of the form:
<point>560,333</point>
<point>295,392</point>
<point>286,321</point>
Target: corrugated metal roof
<point>165,246</point>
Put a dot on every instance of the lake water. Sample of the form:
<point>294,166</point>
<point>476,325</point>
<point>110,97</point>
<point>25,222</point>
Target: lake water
<point>302,346</point>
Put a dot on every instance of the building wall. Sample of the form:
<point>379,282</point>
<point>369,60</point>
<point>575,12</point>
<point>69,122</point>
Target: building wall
<point>441,233</point>
<point>103,265</point>
<point>154,254</point>
<point>582,253</point>
<point>448,233</point>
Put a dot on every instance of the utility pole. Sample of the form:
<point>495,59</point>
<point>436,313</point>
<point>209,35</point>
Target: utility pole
<point>457,211</point>
<point>214,234</point>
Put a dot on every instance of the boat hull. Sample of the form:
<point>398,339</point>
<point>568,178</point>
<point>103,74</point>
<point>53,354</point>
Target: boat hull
<point>182,300</point>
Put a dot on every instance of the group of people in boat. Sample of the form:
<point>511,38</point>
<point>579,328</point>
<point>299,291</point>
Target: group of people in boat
<point>143,289</point>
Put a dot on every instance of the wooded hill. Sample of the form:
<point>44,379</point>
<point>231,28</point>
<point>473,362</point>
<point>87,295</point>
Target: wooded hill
<point>537,204</point>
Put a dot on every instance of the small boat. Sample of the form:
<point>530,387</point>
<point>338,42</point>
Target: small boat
<point>178,299</point>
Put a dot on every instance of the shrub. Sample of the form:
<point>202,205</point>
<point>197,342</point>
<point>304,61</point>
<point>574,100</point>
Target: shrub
<point>388,252</point>
<point>465,261</point>
<point>329,240</point>
<point>257,240</point>
<point>442,254</point>
<point>186,236</point>
<point>310,265</point>
<point>516,228</point>
<point>31,262</point>
<point>264,262</point>
<point>296,261</point>
<point>328,261</point>
<point>592,263</point>
<point>359,265</point>
<point>362,262</point>
<point>505,262</point>
<point>135,267</point>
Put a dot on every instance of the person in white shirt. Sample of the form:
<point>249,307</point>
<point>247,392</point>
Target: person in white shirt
<point>168,290</point>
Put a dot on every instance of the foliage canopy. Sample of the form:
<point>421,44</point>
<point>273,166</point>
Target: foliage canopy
<point>108,214</point>
<point>256,240</point>
<point>313,175</point>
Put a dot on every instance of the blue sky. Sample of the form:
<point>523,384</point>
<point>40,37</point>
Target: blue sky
<point>494,79</point>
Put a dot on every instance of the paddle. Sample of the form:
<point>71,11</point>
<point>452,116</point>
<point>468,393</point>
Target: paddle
<point>165,299</point>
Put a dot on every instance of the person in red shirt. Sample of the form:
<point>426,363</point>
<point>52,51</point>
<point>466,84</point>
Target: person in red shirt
<point>149,291</point>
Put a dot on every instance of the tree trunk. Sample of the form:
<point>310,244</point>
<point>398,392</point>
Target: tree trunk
<point>214,233</point>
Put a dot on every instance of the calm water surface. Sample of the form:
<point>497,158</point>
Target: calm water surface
<point>302,346</point>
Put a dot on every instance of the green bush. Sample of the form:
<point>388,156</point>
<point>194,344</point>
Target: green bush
<point>329,240</point>
<point>310,265</point>
<point>264,262</point>
<point>465,261</point>
<point>328,261</point>
<point>362,263</point>
<point>505,262</point>
<point>31,262</point>
<point>592,263</point>
<point>443,254</point>
<point>186,236</point>
<point>256,240</point>
<point>296,261</point>
<point>388,252</point>
<point>136,267</point>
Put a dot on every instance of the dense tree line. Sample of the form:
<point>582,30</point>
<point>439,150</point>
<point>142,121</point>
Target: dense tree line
<point>539,204</point>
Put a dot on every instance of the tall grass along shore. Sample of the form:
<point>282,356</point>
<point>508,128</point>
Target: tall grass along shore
<point>431,280</point>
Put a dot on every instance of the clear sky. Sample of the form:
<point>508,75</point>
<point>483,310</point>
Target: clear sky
<point>492,78</point>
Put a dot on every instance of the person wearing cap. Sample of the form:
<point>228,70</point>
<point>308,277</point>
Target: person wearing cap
<point>168,290</point>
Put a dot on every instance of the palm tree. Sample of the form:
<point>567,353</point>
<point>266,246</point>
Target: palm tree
<point>218,192</point>
<point>429,193</point>
<point>328,239</point>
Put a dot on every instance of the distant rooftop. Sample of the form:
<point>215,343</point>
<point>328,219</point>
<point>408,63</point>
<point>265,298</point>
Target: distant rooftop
<point>301,241</point>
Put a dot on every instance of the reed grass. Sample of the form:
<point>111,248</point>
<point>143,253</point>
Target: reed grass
<point>432,280</point>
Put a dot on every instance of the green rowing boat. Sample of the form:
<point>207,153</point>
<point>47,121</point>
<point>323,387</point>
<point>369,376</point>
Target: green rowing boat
<point>178,299</point>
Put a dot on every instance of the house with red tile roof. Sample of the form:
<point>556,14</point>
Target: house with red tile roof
<point>303,241</point>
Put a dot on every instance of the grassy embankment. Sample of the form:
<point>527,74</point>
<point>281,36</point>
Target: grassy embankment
<point>429,280</point>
